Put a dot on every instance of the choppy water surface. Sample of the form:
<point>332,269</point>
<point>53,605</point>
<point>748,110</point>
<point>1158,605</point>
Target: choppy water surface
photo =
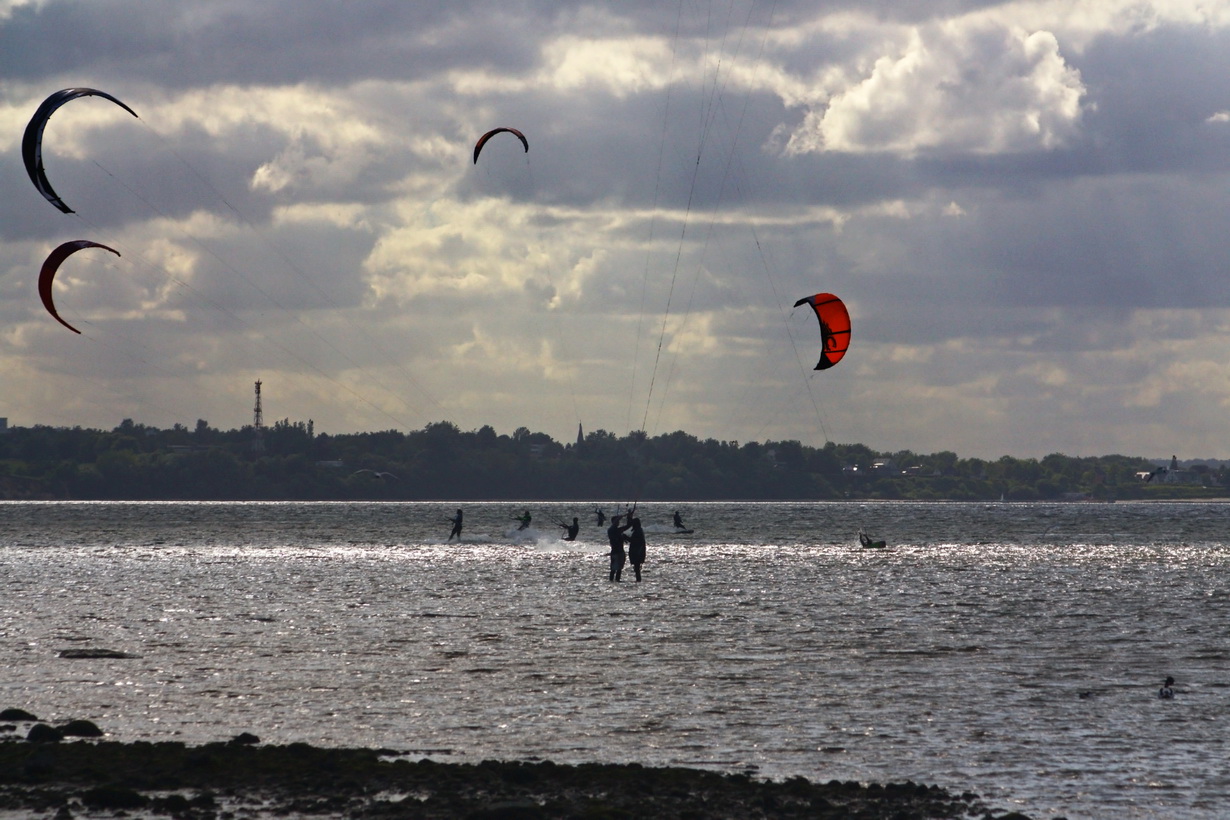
<point>766,641</point>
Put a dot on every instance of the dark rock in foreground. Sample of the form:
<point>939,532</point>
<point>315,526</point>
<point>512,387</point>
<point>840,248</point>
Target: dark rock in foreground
<point>42,733</point>
<point>17,714</point>
<point>299,780</point>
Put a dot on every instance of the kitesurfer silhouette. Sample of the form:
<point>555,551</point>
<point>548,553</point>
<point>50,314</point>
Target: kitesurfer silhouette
<point>572,529</point>
<point>615,534</point>
<point>456,527</point>
<point>867,542</point>
<point>636,547</point>
<point>524,518</point>
<point>601,517</point>
<point>679,521</point>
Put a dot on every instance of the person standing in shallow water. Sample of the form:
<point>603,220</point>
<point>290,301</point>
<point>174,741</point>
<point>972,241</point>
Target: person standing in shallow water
<point>615,534</point>
<point>636,547</point>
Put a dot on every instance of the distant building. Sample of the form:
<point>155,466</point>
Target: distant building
<point>1174,474</point>
<point>1180,477</point>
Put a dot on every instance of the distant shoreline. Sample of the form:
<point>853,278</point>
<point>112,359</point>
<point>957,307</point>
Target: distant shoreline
<point>89,779</point>
<point>441,462</point>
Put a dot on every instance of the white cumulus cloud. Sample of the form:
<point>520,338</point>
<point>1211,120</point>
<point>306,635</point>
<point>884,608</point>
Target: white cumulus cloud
<point>985,89</point>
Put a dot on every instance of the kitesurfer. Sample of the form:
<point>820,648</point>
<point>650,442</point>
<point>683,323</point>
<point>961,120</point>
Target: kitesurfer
<point>456,527</point>
<point>572,529</point>
<point>615,534</point>
<point>636,547</point>
<point>524,518</point>
<point>679,521</point>
<point>868,543</point>
<point>1167,690</point>
<point>601,517</point>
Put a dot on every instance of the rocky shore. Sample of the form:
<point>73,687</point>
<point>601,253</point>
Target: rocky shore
<point>86,778</point>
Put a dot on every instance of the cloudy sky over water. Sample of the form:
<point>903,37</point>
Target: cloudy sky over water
<point>1025,206</point>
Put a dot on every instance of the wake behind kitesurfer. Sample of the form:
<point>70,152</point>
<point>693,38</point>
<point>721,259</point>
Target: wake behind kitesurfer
<point>456,526</point>
<point>615,534</point>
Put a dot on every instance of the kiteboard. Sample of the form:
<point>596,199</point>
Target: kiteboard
<point>684,532</point>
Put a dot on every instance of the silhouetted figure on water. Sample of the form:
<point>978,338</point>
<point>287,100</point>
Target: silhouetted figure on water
<point>615,534</point>
<point>601,517</point>
<point>572,529</point>
<point>636,547</point>
<point>868,543</point>
<point>524,518</point>
<point>456,527</point>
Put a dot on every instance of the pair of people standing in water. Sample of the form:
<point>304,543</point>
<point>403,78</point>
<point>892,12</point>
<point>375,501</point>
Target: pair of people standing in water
<point>635,539</point>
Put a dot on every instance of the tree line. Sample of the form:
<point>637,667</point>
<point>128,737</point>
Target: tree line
<point>289,461</point>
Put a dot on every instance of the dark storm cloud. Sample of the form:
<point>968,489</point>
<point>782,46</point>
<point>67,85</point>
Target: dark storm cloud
<point>1154,94</point>
<point>340,41</point>
<point>200,44</point>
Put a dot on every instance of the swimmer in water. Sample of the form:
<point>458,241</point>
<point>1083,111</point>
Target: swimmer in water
<point>1167,690</point>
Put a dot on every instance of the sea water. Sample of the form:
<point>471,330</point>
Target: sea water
<point>1014,650</point>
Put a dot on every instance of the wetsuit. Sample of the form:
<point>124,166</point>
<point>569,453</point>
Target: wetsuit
<point>636,547</point>
<point>615,534</point>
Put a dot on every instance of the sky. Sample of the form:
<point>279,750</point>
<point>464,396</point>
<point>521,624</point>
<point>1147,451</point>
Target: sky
<point>1023,205</point>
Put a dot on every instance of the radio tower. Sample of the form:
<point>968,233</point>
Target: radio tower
<point>258,423</point>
